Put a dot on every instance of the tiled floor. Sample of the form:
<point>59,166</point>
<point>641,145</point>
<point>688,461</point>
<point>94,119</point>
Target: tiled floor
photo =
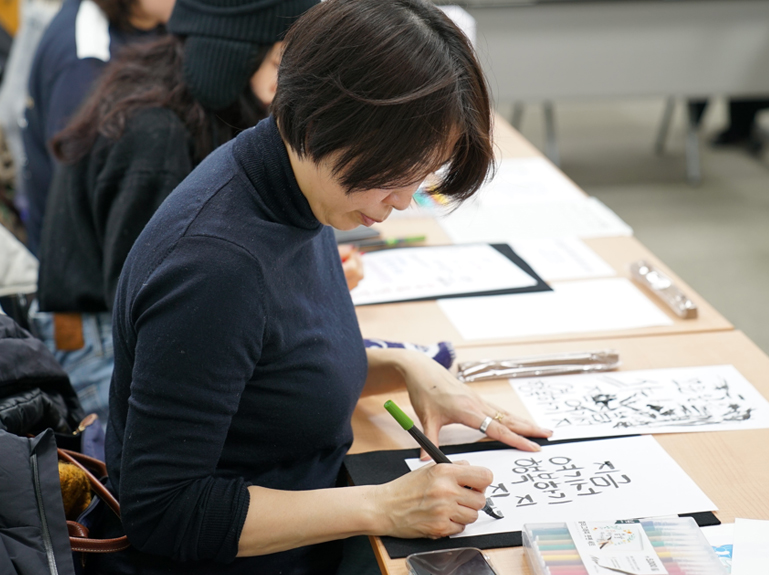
<point>715,236</point>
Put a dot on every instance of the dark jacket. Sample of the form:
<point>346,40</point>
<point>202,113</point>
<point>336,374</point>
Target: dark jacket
<point>33,538</point>
<point>98,207</point>
<point>35,392</point>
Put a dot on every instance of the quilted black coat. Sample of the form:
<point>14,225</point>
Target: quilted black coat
<point>35,392</point>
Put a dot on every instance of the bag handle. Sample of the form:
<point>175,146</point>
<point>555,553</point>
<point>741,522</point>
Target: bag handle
<point>79,540</point>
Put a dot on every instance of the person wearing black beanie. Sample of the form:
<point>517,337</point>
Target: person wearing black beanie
<point>222,41</point>
<point>158,110</point>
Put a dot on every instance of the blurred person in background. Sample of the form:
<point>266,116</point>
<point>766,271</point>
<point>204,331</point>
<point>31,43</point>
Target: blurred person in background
<point>157,111</point>
<point>75,49</point>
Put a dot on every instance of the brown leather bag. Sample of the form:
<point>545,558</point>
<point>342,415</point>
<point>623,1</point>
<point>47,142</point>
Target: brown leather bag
<point>79,538</point>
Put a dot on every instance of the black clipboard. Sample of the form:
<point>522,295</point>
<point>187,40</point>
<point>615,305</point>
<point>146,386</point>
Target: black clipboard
<point>377,467</point>
<point>506,251</point>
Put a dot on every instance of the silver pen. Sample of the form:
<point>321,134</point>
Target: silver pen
<point>539,365</point>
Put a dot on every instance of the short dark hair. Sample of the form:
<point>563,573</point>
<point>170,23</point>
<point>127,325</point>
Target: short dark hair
<point>385,90</point>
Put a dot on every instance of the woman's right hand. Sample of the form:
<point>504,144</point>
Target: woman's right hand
<point>433,501</point>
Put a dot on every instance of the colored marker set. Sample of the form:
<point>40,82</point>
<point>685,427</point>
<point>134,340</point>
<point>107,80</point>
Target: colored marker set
<point>672,546</point>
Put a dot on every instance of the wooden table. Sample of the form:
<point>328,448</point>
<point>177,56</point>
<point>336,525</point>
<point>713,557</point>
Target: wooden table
<point>731,467</point>
<point>425,323</point>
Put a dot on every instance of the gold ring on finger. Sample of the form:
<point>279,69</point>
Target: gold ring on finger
<point>499,416</point>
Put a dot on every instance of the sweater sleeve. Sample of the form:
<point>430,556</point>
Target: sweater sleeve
<point>198,326</point>
<point>142,169</point>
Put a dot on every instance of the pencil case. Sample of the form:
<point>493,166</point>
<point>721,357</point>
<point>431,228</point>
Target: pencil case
<point>677,541</point>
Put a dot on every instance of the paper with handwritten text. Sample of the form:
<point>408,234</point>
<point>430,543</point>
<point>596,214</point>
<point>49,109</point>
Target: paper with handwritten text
<point>631,477</point>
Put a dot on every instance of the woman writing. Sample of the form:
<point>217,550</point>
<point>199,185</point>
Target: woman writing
<point>238,358</point>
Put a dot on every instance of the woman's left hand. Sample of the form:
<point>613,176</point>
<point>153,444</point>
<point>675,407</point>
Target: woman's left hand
<point>439,399</point>
<point>352,264</point>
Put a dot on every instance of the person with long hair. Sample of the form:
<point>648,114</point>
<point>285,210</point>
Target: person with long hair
<point>238,356</point>
<point>74,50</point>
<point>158,110</point>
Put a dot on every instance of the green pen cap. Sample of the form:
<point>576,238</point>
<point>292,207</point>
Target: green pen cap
<point>398,414</point>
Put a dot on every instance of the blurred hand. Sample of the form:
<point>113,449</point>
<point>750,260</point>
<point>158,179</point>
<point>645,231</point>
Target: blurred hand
<point>433,501</point>
<point>352,264</point>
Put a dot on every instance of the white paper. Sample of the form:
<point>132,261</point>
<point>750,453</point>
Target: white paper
<point>631,476</point>
<point>413,273</point>
<point>606,547</point>
<point>685,399</point>
<point>557,259</point>
<point>573,307</point>
<point>524,180</point>
<point>583,217</point>
<point>750,555</point>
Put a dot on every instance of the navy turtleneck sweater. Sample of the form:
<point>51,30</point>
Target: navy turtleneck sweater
<point>238,361</point>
